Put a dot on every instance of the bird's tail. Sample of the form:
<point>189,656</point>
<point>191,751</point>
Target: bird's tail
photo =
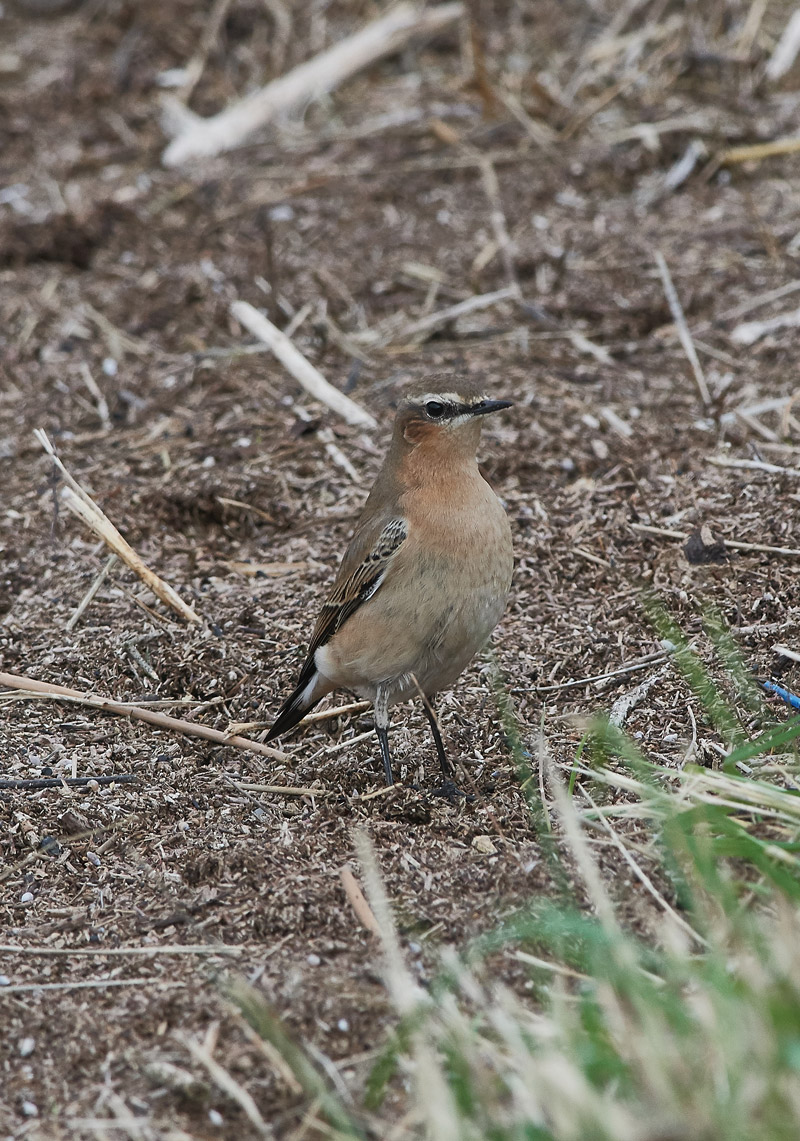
<point>308,692</point>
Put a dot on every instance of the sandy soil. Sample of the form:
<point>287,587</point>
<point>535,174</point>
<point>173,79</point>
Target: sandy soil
<point>215,467</point>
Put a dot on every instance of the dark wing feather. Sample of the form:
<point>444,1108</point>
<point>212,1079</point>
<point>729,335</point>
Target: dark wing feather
<point>351,590</point>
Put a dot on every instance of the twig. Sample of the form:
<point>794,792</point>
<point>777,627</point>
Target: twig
<point>118,952</point>
<point>312,79</point>
<point>194,68</point>
<point>786,49</point>
<point>202,1054</point>
<point>337,456</point>
<point>751,331</point>
<point>282,789</point>
<point>497,217</point>
<point>426,326</point>
<point>357,900</point>
<point>336,711</point>
<point>546,965</point>
<point>90,984</point>
<point>752,465</point>
<point>764,548</point>
<point>151,716</point>
<point>99,399</point>
<point>117,341</point>
<point>71,782</point>
<point>341,746</point>
<point>302,370</point>
<point>758,151</point>
<point>649,660</point>
<point>759,300</point>
<point>628,702</point>
<point>640,874</point>
<point>77,500</point>
<point>682,327</point>
<point>91,592</point>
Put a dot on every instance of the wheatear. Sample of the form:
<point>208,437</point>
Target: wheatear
<point>426,576</point>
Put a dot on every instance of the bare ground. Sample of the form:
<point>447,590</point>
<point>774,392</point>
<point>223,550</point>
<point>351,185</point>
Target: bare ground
<point>215,468</point>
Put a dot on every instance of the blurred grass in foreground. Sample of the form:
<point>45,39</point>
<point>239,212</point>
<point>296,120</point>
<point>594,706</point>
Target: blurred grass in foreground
<point>696,1036</point>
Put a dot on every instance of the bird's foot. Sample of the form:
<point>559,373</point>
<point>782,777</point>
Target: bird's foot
<point>451,792</point>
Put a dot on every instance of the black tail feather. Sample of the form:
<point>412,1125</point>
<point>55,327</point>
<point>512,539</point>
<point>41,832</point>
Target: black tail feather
<point>290,713</point>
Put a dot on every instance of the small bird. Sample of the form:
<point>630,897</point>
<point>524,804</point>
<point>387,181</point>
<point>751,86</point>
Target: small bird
<point>426,575</point>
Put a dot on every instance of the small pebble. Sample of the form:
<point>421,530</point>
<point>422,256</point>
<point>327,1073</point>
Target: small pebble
<point>29,1109</point>
<point>484,845</point>
<point>26,897</point>
<point>5,980</point>
<point>110,366</point>
<point>313,960</point>
<point>243,442</point>
<point>215,1117</point>
<point>209,461</point>
<point>93,859</point>
<point>343,1025</point>
<point>26,1047</point>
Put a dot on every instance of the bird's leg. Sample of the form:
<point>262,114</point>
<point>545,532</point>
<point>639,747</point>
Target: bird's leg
<point>449,788</point>
<point>382,729</point>
<point>447,769</point>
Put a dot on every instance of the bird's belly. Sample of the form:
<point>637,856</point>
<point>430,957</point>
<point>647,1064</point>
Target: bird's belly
<point>429,622</point>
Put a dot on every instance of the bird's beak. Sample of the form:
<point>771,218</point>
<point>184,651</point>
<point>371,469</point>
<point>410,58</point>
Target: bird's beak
<point>487,406</point>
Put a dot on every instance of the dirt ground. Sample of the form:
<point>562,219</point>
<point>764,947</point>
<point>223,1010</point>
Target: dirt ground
<point>116,278</point>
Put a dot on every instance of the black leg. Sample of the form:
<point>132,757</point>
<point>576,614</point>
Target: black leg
<point>383,740</point>
<point>382,729</point>
<point>447,769</point>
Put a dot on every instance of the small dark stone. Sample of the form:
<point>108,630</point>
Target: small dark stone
<point>703,547</point>
<point>450,791</point>
<point>50,846</point>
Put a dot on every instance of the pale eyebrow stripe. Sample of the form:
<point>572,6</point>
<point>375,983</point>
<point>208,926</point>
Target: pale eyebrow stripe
<point>450,398</point>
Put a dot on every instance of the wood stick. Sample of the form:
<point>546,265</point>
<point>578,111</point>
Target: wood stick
<point>202,1053</point>
<point>336,711</point>
<point>151,716</point>
<point>764,548</point>
<point>752,465</point>
<point>282,789</point>
<point>302,370</point>
<point>70,782</point>
<point>91,592</point>
<point>156,949</point>
<point>759,151</point>
<point>357,900</point>
<point>786,49</point>
<point>682,327</point>
<point>89,984</point>
<point>632,667</point>
<point>310,80</point>
<point>751,331</point>
<point>78,500</point>
<point>426,326</point>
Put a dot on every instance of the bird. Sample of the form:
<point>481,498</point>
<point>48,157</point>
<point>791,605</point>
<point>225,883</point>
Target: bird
<point>426,575</point>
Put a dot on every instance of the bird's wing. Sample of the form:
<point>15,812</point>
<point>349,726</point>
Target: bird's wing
<point>354,587</point>
<point>363,569</point>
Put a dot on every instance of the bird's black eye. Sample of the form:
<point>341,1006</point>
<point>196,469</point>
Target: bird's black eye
<point>434,409</point>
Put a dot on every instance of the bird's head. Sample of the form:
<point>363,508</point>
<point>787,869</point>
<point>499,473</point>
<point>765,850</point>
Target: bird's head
<point>445,411</point>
